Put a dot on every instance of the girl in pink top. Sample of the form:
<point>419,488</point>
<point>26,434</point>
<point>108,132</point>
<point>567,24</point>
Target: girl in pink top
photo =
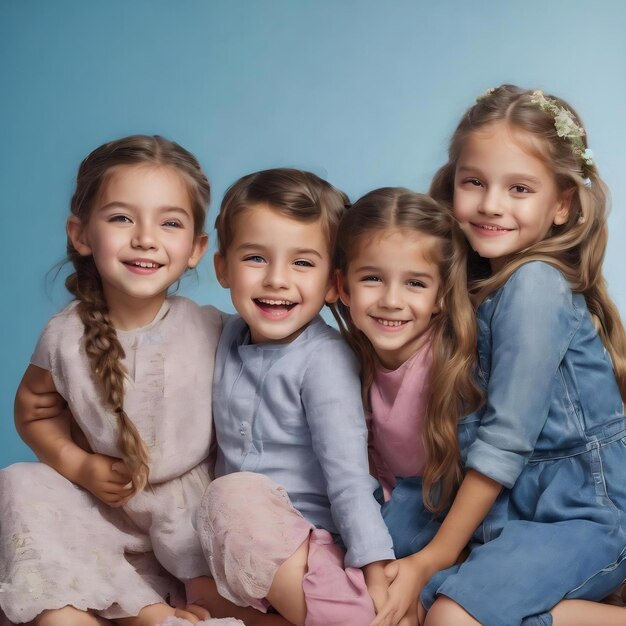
<point>401,275</point>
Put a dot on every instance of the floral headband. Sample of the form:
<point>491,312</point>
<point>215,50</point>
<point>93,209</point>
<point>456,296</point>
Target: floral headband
<point>564,123</point>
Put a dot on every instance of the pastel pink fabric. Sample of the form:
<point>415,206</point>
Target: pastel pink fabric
<point>61,546</point>
<point>248,528</point>
<point>398,399</point>
<point>224,621</point>
<point>334,595</point>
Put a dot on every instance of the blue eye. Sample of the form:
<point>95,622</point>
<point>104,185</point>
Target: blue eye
<point>120,218</point>
<point>254,258</point>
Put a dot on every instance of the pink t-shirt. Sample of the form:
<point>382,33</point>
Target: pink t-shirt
<point>398,398</point>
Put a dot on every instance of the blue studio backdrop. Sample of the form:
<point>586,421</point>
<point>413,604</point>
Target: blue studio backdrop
<point>361,92</point>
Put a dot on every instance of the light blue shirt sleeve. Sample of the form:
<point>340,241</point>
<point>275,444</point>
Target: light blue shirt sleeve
<point>532,325</point>
<point>331,395</point>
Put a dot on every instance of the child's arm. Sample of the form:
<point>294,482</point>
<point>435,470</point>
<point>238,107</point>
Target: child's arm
<point>531,326</point>
<point>331,397</point>
<point>44,423</point>
<point>377,583</point>
<point>473,501</point>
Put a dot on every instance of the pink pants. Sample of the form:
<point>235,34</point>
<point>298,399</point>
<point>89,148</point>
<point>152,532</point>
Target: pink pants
<point>248,528</point>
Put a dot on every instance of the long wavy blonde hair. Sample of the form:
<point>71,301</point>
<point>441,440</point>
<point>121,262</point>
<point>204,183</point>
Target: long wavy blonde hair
<point>452,388</point>
<point>101,343</point>
<point>577,247</point>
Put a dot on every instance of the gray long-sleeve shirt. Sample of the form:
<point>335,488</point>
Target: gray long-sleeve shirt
<point>293,412</point>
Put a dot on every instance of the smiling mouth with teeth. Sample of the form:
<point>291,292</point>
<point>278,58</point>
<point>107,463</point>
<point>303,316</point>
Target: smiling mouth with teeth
<point>267,302</point>
<point>142,266</point>
<point>392,323</point>
<point>492,227</point>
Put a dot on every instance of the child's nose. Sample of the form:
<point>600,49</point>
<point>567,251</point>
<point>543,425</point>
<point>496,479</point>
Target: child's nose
<point>276,276</point>
<point>144,237</point>
<point>391,297</point>
<point>491,203</point>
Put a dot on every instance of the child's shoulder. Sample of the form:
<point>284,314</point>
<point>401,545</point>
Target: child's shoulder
<point>66,321</point>
<point>184,306</point>
<point>534,292</point>
<point>326,344</point>
<point>184,311</point>
<point>537,279</point>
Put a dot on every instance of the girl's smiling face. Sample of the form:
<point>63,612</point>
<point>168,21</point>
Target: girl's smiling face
<point>392,287</point>
<point>505,197</point>
<point>141,235</point>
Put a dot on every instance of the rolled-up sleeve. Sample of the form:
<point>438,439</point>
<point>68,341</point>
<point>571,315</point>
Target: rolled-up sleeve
<point>532,325</point>
<point>332,402</point>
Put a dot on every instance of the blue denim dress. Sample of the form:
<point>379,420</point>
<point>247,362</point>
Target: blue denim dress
<point>553,433</point>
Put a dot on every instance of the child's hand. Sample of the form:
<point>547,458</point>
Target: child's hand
<point>31,405</point>
<point>198,611</point>
<point>377,583</point>
<point>107,478</point>
<point>407,576</point>
<point>411,617</point>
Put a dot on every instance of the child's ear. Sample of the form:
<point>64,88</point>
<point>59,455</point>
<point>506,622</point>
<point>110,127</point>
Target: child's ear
<point>342,288</point>
<point>332,293</point>
<point>219,262</point>
<point>75,230</point>
<point>562,210</point>
<point>199,248</point>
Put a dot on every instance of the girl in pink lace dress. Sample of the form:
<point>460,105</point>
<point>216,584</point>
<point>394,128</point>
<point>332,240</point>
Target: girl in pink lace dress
<point>105,533</point>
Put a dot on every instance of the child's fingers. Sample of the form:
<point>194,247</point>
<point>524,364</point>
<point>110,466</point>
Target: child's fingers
<point>119,467</point>
<point>410,617</point>
<point>199,611</point>
<point>47,405</point>
<point>186,615</point>
<point>385,617</point>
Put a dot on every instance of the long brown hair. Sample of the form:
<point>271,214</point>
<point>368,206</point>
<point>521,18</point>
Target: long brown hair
<point>453,391</point>
<point>577,247</point>
<point>101,343</point>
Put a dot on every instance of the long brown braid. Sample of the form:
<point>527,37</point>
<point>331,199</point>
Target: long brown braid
<point>101,343</point>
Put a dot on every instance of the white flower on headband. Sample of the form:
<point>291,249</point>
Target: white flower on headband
<point>486,94</point>
<point>565,125</point>
<point>588,157</point>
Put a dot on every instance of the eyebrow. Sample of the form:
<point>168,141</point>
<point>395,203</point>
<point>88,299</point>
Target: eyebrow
<point>131,207</point>
<point>297,251</point>
<point>519,176</point>
<point>374,270</point>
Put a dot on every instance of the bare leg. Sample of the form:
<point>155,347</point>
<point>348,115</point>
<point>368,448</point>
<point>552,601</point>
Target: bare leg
<point>155,614</point>
<point>203,592</point>
<point>286,593</point>
<point>567,613</point>
<point>445,612</point>
<point>69,616</point>
<point>587,613</point>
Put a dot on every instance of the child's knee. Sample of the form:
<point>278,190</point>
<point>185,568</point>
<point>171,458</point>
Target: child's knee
<point>67,616</point>
<point>242,509</point>
<point>446,612</point>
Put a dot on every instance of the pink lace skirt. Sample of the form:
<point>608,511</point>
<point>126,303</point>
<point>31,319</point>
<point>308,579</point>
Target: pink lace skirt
<point>248,528</point>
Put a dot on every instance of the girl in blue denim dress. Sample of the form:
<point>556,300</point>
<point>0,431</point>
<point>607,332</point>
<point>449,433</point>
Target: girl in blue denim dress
<point>542,503</point>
